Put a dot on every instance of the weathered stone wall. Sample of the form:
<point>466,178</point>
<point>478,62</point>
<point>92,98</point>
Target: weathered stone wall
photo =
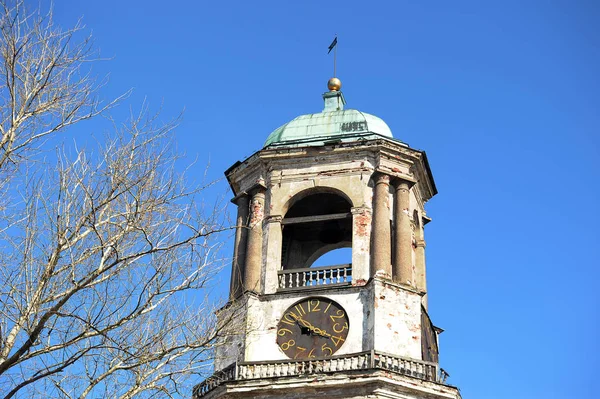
<point>263,317</point>
<point>232,321</point>
<point>382,316</point>
<point>397,320</point>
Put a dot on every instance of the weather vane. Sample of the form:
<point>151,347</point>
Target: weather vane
<point>333,46</point>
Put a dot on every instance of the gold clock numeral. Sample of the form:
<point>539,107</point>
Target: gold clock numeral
<point>326,348</point>
<point>300,309</point>
<point>287,319</point>
<point>327,308</point>
<point>339,316</point>
<point>315,305</point>
<point>300,351</point>
<point>310,354</point>
<point>345,327</point>
<point>337,340</point>
<point>283,331</point>
<point>287,345</point>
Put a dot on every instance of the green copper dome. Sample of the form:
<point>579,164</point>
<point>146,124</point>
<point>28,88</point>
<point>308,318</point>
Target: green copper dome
<point>333,124</point>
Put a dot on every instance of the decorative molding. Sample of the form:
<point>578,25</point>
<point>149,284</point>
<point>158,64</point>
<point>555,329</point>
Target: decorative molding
<point>362,361</point>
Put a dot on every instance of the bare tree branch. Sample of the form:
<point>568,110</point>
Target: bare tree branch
<point>105,253</point>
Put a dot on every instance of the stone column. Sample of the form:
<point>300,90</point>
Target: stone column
<point>420,267</point>
<point>381,245</point>
<point>402,270</point>
<point>236,286</point>
<point>255,237</point>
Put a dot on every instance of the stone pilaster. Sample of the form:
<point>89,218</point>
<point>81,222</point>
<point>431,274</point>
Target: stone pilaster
<point>402,270</point>
<point>239,250</point>
<point>381,245</point>
<point>361,246</point>
<point>255,237</point>
<point>420,269</point>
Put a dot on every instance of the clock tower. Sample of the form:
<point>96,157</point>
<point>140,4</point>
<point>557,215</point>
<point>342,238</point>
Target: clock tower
<point>325,181</point>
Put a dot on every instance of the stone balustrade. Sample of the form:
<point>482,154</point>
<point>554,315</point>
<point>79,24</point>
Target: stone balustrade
<point>371,360</point>
<point>315,276</point>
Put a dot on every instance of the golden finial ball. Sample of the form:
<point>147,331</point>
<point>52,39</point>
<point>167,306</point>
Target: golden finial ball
<point>334,84</point>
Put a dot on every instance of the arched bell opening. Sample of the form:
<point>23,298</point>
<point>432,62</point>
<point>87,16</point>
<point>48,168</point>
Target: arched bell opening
<point>314,225</point>
<point>332,255</point>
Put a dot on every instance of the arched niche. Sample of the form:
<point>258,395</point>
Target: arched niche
<point>314,224</point>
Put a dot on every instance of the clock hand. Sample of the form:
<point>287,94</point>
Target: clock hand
<point>323,334</point>
<point>303,323</point>
<point>317,331</point>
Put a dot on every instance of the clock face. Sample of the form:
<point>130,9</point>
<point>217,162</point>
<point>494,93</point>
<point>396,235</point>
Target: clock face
<point>312,327</point>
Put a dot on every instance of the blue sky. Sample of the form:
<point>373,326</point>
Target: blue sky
<point>503,96</point>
